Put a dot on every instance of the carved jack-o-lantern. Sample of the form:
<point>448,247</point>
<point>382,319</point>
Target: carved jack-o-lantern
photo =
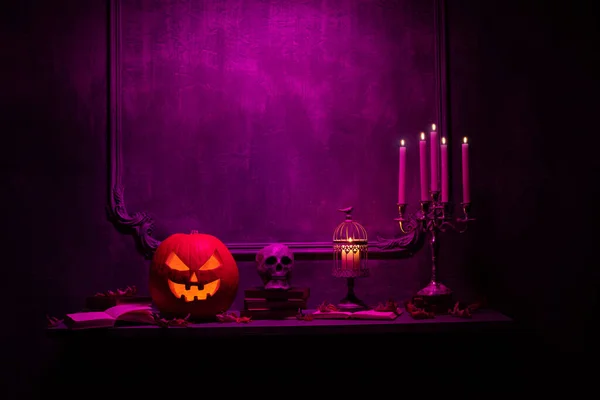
<point>193,274</point>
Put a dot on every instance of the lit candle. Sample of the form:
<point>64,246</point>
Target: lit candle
<point>402,174</point>
<point>345,263</point>
<point>445,176</point>
<point>355,259</point>
<point>423,167</point>
<point>466,188</point>
<point>346,250</point>
<point>435,157</point>
<point>350,257</point>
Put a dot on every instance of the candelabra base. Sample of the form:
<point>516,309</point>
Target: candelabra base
<point>434,289</point>
<point>435,297</point>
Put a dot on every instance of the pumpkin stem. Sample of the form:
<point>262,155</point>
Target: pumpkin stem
<point>193,232</point>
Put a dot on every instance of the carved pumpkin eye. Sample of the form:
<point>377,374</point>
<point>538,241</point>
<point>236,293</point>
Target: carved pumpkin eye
<point>213,263</point>
<point>175,263</point>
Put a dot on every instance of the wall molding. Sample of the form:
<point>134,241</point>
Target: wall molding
<point>140,224</point>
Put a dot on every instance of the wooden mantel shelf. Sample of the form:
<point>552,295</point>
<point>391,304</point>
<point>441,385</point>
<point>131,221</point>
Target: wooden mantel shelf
<point>481,320</point>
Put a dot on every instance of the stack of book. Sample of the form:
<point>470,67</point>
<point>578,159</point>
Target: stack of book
<point>260,303</point>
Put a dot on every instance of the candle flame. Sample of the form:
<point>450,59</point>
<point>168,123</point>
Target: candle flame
<point>402,142</point>
<point>433,127</point>
<point>465,139</point>
<point>443,140</point>
<point>422,135</point>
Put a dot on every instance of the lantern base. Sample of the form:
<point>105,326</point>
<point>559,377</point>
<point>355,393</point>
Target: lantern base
<point>351,302</point>
<point>352,305</point>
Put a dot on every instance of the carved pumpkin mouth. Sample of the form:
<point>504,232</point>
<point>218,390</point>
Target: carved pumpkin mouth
<point>190,293</point>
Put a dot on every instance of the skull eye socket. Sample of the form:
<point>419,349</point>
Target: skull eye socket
<point>271,260</point>
<point>213,263</point>
<point>285,260</point>
<point>175,263</point>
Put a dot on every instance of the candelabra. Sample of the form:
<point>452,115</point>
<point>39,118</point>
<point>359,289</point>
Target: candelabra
<point>434,217</point>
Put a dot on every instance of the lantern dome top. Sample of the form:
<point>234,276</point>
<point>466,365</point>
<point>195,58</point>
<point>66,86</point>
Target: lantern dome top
<point>349,230</point>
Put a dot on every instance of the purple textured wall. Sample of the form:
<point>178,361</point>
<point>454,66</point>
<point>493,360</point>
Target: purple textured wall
<point>256,120</point>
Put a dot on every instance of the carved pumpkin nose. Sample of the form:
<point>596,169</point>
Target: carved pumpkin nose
<point>194,278</point>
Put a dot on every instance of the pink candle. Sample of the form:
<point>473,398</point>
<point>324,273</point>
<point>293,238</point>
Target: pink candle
<point>423,167</point>
<point>445,177</point>
<point>402,174</point>
<point>350,257</point>
<point>435,157</point>
<point>466,188</point>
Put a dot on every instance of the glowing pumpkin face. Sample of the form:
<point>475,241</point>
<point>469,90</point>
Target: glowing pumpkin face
<point>193,274</point>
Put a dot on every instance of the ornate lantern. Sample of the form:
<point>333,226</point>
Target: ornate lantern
<point>350,257</point>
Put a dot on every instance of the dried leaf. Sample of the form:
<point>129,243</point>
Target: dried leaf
<point>417,313</point>
<point>389,305</point>
<point>165,323</point>
<point>477,305</point>
<point>227,317</point>
<point>422,314</point>
<point>460,313</point>
<point>327,307</point>
<point>128,291</point>
<point>53,321</point>
<point>232,317</point>
<point>303,317</point>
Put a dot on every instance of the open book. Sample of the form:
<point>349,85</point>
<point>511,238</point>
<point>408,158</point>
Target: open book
<point>367,314</point>
<point>131,313</point>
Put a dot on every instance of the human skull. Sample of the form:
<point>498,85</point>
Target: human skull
<point>274,264</point>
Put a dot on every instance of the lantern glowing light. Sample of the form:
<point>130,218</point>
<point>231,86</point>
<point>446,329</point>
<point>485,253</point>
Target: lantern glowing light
<point>350,249</point>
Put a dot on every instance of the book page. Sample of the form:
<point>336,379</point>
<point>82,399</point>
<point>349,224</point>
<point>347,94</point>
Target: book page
<point>119,311</point>
<point>139,317</point>
<point>92,319</point>
<point>90,316</point>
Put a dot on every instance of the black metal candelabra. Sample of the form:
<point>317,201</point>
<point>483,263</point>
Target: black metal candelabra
<point>433,218</point>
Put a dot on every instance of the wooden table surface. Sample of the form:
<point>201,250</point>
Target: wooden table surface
<point>481,320</point>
